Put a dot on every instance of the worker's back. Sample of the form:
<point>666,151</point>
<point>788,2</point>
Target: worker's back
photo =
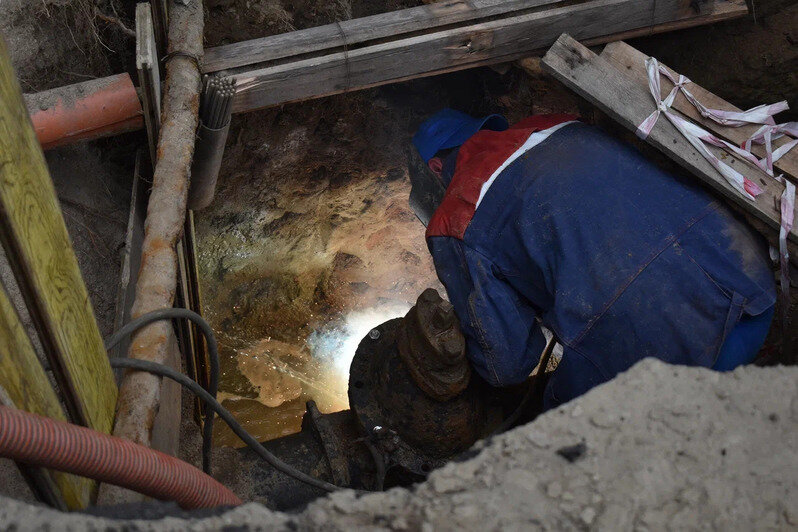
<point>621,259</point>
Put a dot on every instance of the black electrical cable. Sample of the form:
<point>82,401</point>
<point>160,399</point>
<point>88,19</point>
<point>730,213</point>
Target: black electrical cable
<point>213,354</point>
<point>531,390</point>
<point>225,415</point>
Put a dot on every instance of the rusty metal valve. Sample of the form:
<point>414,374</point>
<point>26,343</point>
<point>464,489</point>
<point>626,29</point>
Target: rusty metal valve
<point>432,347</point>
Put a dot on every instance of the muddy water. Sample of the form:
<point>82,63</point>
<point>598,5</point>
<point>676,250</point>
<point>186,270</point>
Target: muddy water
<point>309,244</point>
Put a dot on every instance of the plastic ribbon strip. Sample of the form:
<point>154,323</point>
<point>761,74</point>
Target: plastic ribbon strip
<point>787,219</point>
<point>697,136</point>
<point>766,135</point>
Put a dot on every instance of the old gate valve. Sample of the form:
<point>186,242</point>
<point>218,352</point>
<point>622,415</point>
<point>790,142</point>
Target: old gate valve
<point>433,347</point>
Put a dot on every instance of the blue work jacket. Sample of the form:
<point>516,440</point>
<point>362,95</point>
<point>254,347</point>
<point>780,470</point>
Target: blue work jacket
<point>571,228</point>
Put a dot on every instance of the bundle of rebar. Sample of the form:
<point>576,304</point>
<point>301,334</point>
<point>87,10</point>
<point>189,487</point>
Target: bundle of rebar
<point>216,105</point>
<point>217,101</point>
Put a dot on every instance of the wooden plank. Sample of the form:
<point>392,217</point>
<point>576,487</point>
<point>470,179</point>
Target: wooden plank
<point>355,32</point>
<point>166,427</point>
<point>632,63</point>
<point>199,354</point>
<point>185,332</point>
<point>38,248</point>
<point>24,385</point>
<point>491,42</point>
<point>629,103</point>
<point>720,11</point>
<point>199,361</point>
<point>160,21</point>
<point>149,75</point>
<point>131,253</point>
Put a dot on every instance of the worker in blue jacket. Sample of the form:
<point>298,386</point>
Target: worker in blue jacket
<point>553,222</point>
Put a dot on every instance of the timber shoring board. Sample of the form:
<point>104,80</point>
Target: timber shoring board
<point>184,329</point>
<point>40,253</point>
<point>631,62</point>
<point>354,33</point>
<point>719,11</point>
<point>149,75</point>
<point>630,102</point>
<point>197,362</point>
<point>25,386</point>
<point>454,49</point>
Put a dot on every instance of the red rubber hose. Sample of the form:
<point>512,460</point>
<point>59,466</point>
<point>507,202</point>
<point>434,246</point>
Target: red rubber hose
<point>45,442</point>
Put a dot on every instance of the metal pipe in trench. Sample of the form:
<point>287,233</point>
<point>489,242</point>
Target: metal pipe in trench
<point>139,393</point>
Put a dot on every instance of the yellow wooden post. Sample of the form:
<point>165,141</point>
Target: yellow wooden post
<point>26,387</point>
<point>38,247</point>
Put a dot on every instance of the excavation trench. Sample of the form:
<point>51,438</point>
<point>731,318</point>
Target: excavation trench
<point>309,244</point>
<point>310,241</point>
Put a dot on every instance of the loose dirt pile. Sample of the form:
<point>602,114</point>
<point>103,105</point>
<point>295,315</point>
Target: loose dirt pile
<point>660,447</point>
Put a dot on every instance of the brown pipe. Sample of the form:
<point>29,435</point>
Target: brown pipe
<point>84,111</point>
<point>140,393</point>
<point>45,442</point>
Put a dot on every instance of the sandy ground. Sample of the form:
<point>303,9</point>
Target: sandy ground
<point>658,448</point>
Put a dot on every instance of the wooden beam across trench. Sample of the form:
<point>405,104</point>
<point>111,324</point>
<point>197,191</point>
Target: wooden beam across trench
<point>419,42</point>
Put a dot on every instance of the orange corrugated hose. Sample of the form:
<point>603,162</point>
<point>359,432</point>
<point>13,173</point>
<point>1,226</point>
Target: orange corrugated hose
<point>45,442</point>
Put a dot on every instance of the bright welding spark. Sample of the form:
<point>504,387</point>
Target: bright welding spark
<point>336,344</point>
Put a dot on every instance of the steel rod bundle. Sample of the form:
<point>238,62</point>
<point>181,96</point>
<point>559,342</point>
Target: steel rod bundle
<point>217,101</point>
<point>216,105</point>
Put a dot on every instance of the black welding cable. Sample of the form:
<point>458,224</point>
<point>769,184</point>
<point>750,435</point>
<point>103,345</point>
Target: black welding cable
<point>531,390</point>
<point>225,415</point>
<point>213,355</point>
